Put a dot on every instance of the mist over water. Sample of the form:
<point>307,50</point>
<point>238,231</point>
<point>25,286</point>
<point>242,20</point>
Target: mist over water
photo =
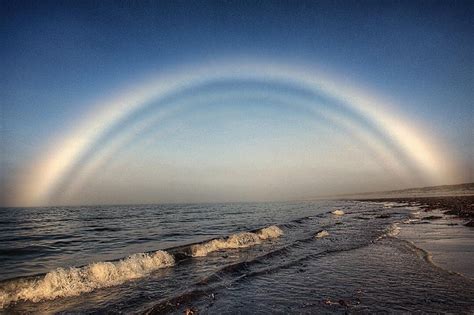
<point>305,257</point>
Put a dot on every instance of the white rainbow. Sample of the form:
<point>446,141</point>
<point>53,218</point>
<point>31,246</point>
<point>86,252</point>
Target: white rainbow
<point>65,152</point>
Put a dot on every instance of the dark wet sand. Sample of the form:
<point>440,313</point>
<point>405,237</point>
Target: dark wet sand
<point>461,206</point>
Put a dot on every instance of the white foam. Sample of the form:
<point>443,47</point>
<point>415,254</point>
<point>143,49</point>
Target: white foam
<point>338,212</point>
<point>321,234</point>
<point>410,221</point>
<point>272,231</point>
<point>239,240</point>
<point>74,281</point>
<point>393,230</point>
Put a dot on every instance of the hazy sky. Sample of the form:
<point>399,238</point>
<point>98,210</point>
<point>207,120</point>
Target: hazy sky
<point>67,63</point>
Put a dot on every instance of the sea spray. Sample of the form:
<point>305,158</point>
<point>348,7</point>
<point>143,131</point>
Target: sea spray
<point>74,281</point>
<point>321,234</point>
<point>238,240</point>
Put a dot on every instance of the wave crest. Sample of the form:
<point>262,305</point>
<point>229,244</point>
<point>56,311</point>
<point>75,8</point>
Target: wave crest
<point>74,281</point>
<point>238,240</point>
<point>272,231</point>
<point>338,212</point>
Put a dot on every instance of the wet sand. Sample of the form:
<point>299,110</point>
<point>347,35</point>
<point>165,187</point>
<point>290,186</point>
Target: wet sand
<point>447,241</point>
<point>441,226</point>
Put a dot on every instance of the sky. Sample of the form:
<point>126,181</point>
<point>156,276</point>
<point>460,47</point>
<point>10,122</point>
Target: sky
<point>110,102</point>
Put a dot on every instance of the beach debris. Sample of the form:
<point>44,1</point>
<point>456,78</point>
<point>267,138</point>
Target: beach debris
<point>329,302</point>
<point>338,212</point>
<point>321,234</point>
<point>383,216</point>
<point>190,311</point>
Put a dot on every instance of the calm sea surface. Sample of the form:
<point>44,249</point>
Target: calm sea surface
<point>159,259</point>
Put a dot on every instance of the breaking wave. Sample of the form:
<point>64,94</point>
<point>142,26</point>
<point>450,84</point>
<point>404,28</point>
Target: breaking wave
<point>73,281</point>
<point>272,231</point>
<point>77,280</point>
<point>338,212</point>
<point>238,240</point>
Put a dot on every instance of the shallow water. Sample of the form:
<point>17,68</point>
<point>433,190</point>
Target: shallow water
<point>448,242</point>
<point>358,267</point>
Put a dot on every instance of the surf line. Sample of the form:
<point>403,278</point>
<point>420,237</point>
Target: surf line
<point>73,281</point>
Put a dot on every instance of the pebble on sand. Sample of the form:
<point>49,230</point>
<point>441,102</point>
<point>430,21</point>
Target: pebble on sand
<point>190,311</point>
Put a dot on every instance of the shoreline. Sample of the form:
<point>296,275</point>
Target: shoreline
<point>460,206</point>
<point>437,226</point>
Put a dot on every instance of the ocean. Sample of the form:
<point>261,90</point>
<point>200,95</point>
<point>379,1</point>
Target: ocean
<point>244,258</point>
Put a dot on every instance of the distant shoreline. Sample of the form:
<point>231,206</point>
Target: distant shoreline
<point>461,206</point>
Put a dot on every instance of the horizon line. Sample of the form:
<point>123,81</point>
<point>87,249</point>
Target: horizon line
<point>324,197</point>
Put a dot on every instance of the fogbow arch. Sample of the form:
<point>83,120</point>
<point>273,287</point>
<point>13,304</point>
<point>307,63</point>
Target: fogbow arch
<point>114,123</point>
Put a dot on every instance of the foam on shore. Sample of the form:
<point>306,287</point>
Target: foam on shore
<point>321,234</point>
<point>393,230</point>
<point>75,281</point>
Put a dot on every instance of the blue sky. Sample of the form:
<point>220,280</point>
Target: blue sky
<point>59,58</point>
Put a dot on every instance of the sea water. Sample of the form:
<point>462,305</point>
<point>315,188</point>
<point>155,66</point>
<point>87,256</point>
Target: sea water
<point>297,257</point>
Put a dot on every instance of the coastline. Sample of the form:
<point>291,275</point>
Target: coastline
<point>460,206</point>
<point>440,226</point>
<point>366,262</point>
